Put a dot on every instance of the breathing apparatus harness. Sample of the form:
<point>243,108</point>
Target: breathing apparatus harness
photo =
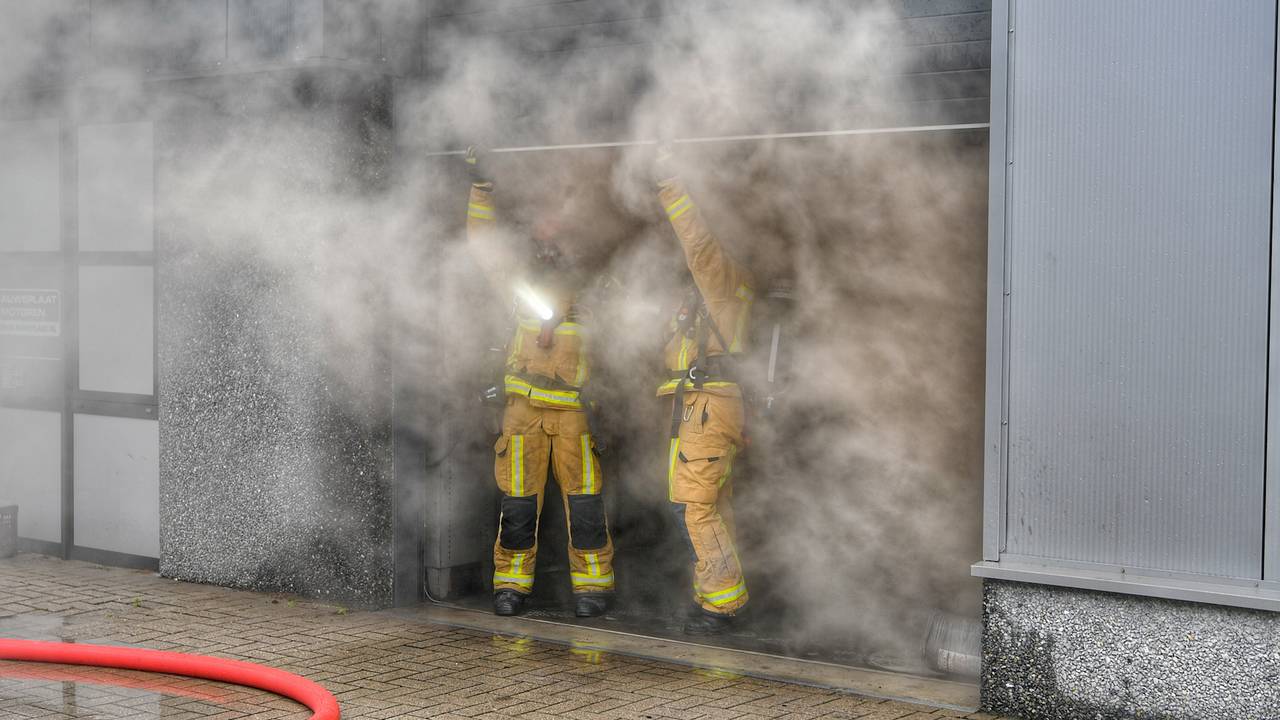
<point>695,314</point>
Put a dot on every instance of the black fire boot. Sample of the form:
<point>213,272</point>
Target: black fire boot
<point>591,604</point>
<point>706,623</point>
<point>507,603</point>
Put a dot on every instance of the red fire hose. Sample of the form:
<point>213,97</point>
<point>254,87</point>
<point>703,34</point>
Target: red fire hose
<point>321,702</point>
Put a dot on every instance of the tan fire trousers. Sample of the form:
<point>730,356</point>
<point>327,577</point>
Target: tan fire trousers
<point>532,437</point>
<point>699,482</point>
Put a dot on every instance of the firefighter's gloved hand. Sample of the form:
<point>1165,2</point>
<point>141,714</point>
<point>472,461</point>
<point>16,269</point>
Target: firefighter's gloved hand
<point>477,168</point>
<point>492,396</point>
<point>663,167</point>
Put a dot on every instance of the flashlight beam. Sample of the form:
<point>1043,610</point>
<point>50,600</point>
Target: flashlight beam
<point>731,138</point>
<point>535,303</point>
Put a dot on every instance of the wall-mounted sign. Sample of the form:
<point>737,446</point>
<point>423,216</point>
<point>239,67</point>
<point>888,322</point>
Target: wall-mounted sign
<point>30,312</point>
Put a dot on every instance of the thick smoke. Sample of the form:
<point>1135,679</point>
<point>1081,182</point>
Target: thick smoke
<point>859,511</point>
<point>859,503</point>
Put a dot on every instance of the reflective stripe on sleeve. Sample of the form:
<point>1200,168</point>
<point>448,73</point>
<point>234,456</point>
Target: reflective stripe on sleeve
<point>747,296</point>
<point>580,376</point>
<point>679,207</point>
<point>683,360</point>
<point>728,465</point>
<point>480,212</point>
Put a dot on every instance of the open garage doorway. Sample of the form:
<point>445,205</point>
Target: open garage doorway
<point>858,500</point>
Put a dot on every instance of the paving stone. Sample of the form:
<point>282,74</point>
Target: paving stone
<point>380,665</point>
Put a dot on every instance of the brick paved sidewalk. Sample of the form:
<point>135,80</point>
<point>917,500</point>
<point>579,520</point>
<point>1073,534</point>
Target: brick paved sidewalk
<point>379,664</point>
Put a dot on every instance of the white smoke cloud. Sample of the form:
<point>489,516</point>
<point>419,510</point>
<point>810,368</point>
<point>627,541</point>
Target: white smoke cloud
<point>859,507</point>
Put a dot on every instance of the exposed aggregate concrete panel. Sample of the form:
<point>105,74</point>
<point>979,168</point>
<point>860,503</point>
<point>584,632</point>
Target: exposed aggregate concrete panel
<point>1060,654</point>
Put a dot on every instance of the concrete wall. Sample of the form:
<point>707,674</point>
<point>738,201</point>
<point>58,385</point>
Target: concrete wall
<point>276,426</point>
<point>1062,654</point>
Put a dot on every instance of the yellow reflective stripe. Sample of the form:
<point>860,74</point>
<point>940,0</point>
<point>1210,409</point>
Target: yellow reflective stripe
<point>476,210</point>
<point>565,328</point>
<point>517,563</point>
<point>593,564</point>
<point>728,465</point>
<point>516,451</point>
<point>525,581</point>
<point>517,344</point>
<point>551,397</point>
<point>736,345</point>
<point>561,398</point>
<point>588,465</point>
<point>580,377</point>
<point>683,361</point>
<point>745,293</point>
<point>679,207</point>
<point>724,597</point>
<point>515,384</point>
<point>670,385</point>
<point>672,455</point>
<point>596,580</point>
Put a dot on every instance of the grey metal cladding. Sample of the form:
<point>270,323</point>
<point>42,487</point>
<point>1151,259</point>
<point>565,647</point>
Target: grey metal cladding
<point>1139,204</point>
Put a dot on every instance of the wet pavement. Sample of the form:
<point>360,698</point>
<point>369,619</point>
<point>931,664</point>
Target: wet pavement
<point>387,664</point>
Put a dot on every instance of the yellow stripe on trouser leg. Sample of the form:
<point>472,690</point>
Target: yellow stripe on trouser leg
<point>673,456</point>
<point>718,583</point>
<point>724,597</point>
<point>592,579</point>
<point>517,465</point>
<point>588,466</point>
<point>516,575</point>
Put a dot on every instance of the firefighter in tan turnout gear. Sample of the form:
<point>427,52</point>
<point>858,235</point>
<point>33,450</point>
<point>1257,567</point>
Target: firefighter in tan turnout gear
<point>545,417</point>
<point>707,416</point>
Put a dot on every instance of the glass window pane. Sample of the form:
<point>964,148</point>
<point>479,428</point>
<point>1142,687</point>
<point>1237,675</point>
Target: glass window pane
<point>31,471</point>
<point>117,329</point>
<point>117,490</point>
<point>31,325</point>
<point>116,183</point>
<point>30,188</point>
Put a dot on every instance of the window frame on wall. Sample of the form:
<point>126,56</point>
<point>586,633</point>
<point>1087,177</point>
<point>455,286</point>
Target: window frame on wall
<point>79,401</point>
<point>71,399</point>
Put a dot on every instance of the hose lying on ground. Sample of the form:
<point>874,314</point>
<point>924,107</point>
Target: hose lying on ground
<point>320,701</point>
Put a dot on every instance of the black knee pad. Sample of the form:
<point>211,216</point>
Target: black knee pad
<point>587,529</point>
<point>677,509</point>
<point>519,522</point>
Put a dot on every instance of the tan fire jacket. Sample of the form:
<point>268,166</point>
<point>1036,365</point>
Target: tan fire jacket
<point>549,376</point>
<point>726,286</point>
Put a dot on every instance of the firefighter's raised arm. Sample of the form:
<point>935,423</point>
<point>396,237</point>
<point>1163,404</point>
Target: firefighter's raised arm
<point>719,277</point>
<point>488,243</point>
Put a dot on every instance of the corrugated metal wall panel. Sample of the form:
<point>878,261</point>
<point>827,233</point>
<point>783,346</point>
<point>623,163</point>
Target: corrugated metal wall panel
<point>1139,218</point>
